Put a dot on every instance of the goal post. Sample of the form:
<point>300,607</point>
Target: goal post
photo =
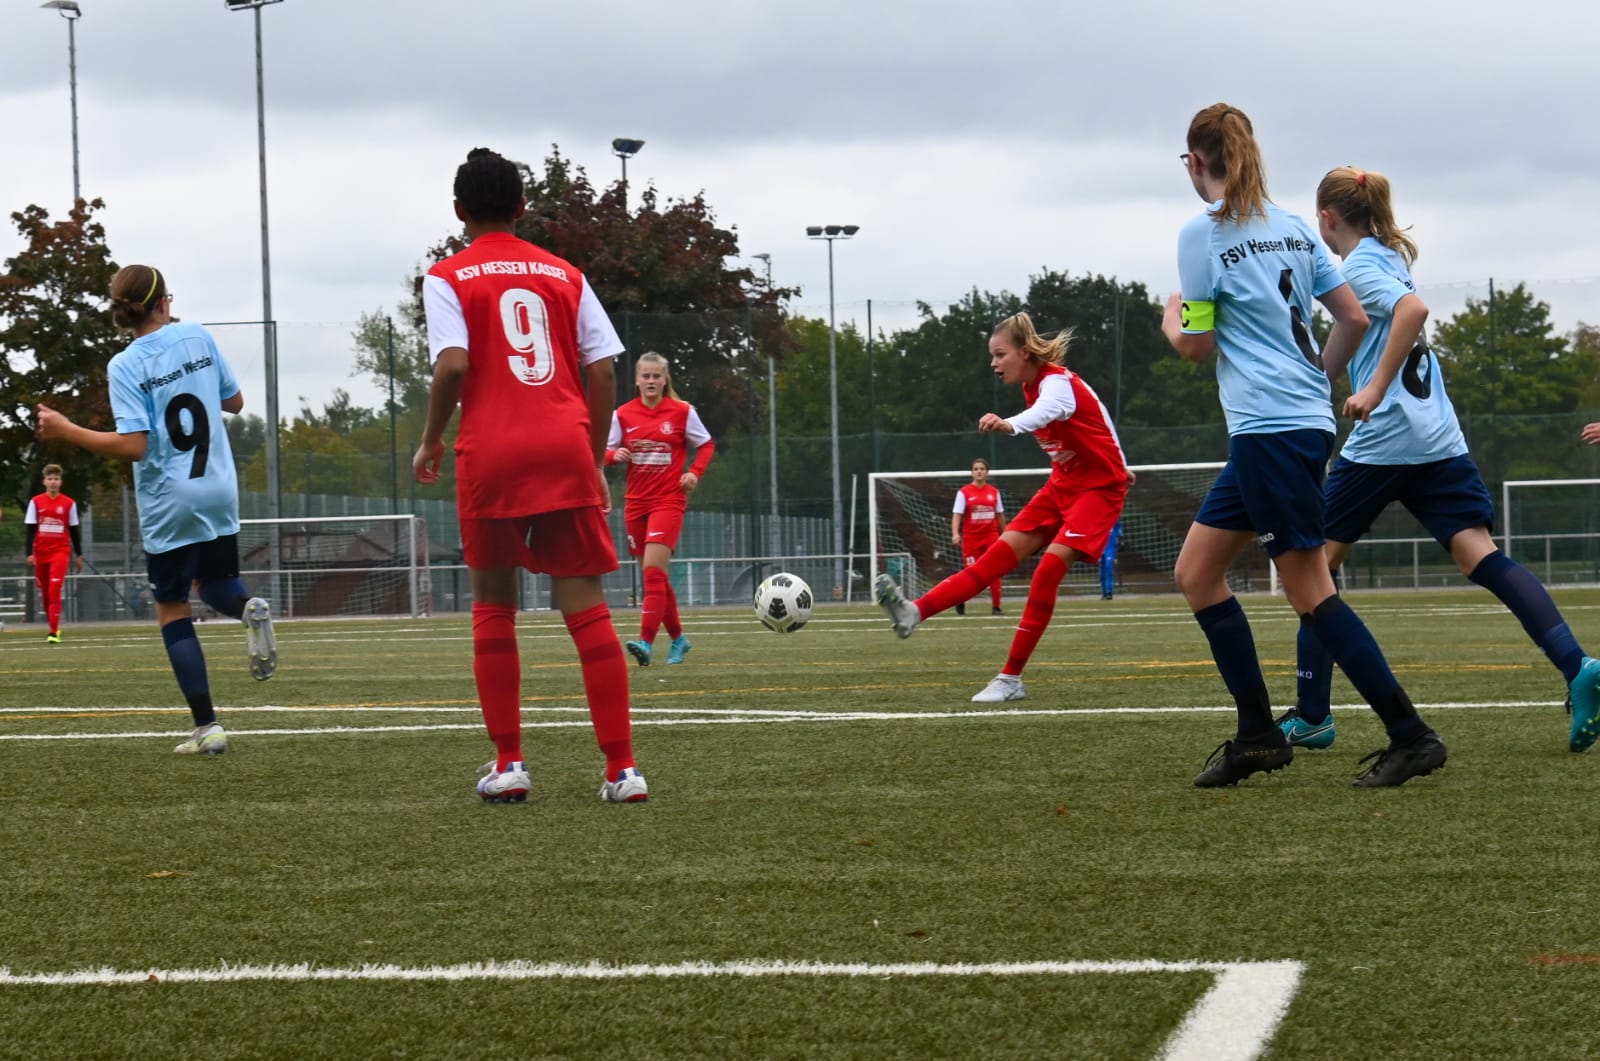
<point>374,565</point>
<point>1552,527</point>
<point>909,513</point>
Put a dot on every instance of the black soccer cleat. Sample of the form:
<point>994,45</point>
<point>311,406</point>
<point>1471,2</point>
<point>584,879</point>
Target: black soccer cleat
<point>1397,765</point>
<point>1235,760</point>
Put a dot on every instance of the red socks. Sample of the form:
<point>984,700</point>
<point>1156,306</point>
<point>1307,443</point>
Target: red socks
<point>969,581</point>
<point>605,682</point>
<point>660,606</point>
<point>498,670</point>
<point>669,614</point>
<point>656,589</point>
<point>1036,615</point>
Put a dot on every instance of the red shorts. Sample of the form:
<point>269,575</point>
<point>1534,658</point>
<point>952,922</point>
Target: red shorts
<point>972,548</point>
<point>566,543</point>
<point>1080,519</point>
<point>660,526</point>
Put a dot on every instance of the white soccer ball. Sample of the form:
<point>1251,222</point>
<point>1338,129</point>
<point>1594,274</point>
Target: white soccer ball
<point>783,603</point>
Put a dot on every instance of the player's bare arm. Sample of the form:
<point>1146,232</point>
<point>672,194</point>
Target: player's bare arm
<point>53,427</point>
<point>1591,434</point>
<point>601,380</point>
<point>1190,346</point>
<point>234,404</point>
<point>1410,314</point>
<point>449,373</point>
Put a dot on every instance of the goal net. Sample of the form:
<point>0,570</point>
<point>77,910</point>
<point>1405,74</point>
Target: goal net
<point>1552,527</point>
<point>910,515</point>
<point>338,565</point>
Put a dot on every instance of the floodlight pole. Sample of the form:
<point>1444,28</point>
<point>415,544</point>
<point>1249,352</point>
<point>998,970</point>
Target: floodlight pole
<point>269,327</point>
<point>625,148</point>
<point>772,423</point>
<point>831,233</point>
<point>68,9</point>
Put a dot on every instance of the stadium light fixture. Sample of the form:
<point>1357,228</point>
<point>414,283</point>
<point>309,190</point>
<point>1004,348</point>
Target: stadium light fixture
<point>831,233</point>
<point>68,9</point>
<point>625,148</point>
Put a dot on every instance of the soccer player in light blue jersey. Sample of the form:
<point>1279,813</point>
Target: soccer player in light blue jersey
<point>1407,446</point>
<point>1249,272</point>
<point>169,389</point>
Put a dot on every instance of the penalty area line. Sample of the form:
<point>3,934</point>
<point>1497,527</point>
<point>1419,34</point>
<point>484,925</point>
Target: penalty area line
<point>1233,1021</point>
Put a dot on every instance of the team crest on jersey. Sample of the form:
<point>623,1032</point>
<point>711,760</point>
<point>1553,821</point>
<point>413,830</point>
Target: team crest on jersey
<point>666,428</point>
<point>533,373</point>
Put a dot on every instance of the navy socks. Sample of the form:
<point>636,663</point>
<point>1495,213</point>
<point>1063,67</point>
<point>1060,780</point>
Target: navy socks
<point>1530,602</point>
<point>189,665</point>
<point>1234,648</point>
<point>1352,646</point>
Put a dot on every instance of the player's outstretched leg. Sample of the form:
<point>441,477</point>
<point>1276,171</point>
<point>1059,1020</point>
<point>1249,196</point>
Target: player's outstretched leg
<point>903,614</point>
<point>263,645</point>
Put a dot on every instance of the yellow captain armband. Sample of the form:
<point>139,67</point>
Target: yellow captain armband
<point>1199,316</point>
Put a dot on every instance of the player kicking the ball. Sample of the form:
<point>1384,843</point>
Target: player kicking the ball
<point>1069,518</point>
<point>515,334</point>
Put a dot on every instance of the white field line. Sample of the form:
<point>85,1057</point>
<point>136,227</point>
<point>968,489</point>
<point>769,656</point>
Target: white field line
<point>734,718</point>
<point>1239,1015</point>
<point>1233,1021</point>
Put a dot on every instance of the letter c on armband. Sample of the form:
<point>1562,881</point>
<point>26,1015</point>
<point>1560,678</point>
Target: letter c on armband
<point>1199,316</point>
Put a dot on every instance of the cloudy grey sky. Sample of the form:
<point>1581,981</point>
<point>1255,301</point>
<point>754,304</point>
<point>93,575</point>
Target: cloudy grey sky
<point>974,143</point>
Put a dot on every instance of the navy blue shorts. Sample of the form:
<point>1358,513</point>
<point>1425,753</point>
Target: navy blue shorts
<point>171,573</point>
<point>1272,485</point>
<point>1447,497</point>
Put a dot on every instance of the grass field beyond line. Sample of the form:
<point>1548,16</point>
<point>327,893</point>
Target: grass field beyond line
<point>826,801</point>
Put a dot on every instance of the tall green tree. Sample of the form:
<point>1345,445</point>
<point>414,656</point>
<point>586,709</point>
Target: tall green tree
<point>666,271</point>
<point>56,336</point>
<point>1505,366</point>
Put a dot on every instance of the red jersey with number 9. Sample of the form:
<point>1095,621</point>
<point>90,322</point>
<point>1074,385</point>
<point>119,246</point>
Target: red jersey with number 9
<point>523,446</point>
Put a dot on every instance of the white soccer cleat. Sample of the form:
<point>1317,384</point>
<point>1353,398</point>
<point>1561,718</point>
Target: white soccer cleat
<point>629,787</point>
<point>1001,687</point>
<point>510,785</point>
<point>205,740</point>
<point>263,646</point>
<point>903,614</point>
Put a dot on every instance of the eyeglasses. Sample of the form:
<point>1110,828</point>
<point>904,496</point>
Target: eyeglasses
<point>1184,158</point>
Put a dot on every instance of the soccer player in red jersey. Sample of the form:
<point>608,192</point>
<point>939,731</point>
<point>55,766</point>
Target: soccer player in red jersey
<point>51,528</point>
<point>976,521</point>
<point>652,435</point>
<point>1069,518</point>
<point>517,337</point>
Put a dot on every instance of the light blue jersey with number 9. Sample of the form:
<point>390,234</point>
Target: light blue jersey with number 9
<point>171,384</point>
<point>1259,278</point>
